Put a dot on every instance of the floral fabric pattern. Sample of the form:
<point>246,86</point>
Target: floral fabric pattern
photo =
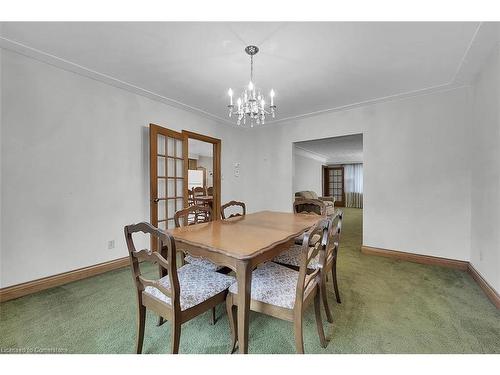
<point>202,262</point>
<point>197,284</point>
<point>273,284</point>
<point>291,257</point>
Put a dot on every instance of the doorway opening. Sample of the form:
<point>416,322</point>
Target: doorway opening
<point>203,171</point>
<point>330,168</point>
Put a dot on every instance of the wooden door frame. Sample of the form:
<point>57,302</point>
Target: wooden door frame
<point>325,181</point>
<point>216,165</point>
<point>154,130</point>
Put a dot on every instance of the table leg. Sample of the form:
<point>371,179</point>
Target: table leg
<point>244,277</point>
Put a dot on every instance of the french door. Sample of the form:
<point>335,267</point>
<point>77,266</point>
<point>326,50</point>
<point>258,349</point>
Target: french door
<point>333,184</point>
<point>167,175</point>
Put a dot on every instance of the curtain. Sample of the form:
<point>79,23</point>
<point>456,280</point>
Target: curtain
<point>353,185</point>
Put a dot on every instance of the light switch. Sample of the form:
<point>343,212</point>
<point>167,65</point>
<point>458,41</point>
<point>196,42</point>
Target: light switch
<point>236,169</point>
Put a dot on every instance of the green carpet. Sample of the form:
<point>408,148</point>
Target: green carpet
<point>387,306</point>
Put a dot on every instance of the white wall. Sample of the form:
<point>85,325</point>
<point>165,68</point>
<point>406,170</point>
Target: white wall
<point>307,174</point>
<point>74,166</point>
<point>208,164</point>
<point>74,158</point>
<point>485,177</point>
<point>416,173</point>
<point>1,153</point>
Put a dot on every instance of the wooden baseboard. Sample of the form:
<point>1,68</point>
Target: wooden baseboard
<point>19,290</point>
<point>490,292</point>
<point>483,284</point>
<point>416,258</point>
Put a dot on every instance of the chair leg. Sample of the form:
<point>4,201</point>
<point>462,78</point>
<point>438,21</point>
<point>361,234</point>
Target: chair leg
<point>161,320</point>
<point>335,284</point>
<point>212,316</point>
<point>319,322</point>
<point>233,323</point>
<point>176,336</point>
<point>141,323</point>
<point>324,297</point>
<point>299,340</point>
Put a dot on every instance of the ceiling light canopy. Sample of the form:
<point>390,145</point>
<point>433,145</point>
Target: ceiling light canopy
<point>251,104</point>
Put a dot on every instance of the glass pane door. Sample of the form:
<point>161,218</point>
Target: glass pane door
<point>166,175</point>
<point>334,184</point>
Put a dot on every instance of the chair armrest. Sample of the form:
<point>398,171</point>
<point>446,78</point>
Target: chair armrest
<point>330,199</point>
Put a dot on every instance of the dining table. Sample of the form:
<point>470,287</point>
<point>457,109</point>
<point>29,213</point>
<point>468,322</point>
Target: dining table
<point>242,243</point>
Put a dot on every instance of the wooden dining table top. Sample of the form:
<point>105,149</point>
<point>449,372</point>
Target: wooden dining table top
<point>244,237</point>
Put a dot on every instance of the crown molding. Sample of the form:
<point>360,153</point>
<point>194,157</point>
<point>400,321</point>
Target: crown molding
<point>309,154</point>
<point>466,53</point>
<point>79,69</point>
<point>386,99</point>
<point>67,65</point>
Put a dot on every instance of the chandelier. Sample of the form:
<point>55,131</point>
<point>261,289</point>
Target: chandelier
<point>251,104</point>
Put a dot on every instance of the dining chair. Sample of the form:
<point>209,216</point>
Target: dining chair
<point>200,214</point>
<point>180,294</point>
<point>210,190</point>
<point>291,258</point>
<point>199,191</point>
<point>230,204</point>
<point>191,215</point>
<point>285,293</point>
<point>190,197</point>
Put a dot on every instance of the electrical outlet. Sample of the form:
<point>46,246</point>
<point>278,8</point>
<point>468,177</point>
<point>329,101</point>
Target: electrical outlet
<point>111,244</point>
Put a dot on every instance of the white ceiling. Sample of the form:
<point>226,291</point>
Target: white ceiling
<point>345,149</point>
<point>311,66</point>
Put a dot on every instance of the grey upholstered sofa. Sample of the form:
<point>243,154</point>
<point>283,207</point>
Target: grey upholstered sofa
<point>328,201</point>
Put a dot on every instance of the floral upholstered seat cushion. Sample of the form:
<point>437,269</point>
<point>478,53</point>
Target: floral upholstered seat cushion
<point>196,284</point>
<point>292,257</point>
<point>273,284</point>
<point>202,262</point>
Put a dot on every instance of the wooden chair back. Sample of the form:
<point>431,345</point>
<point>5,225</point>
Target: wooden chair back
<point>309,206</point>
<point>192,215</point>
<point>312,244</point>
<point>166,259</point>
<point>232,204</point>
<point>333,242</point>
<point>210,190</point>
<point>199,191</point>
<point>190,197</point>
